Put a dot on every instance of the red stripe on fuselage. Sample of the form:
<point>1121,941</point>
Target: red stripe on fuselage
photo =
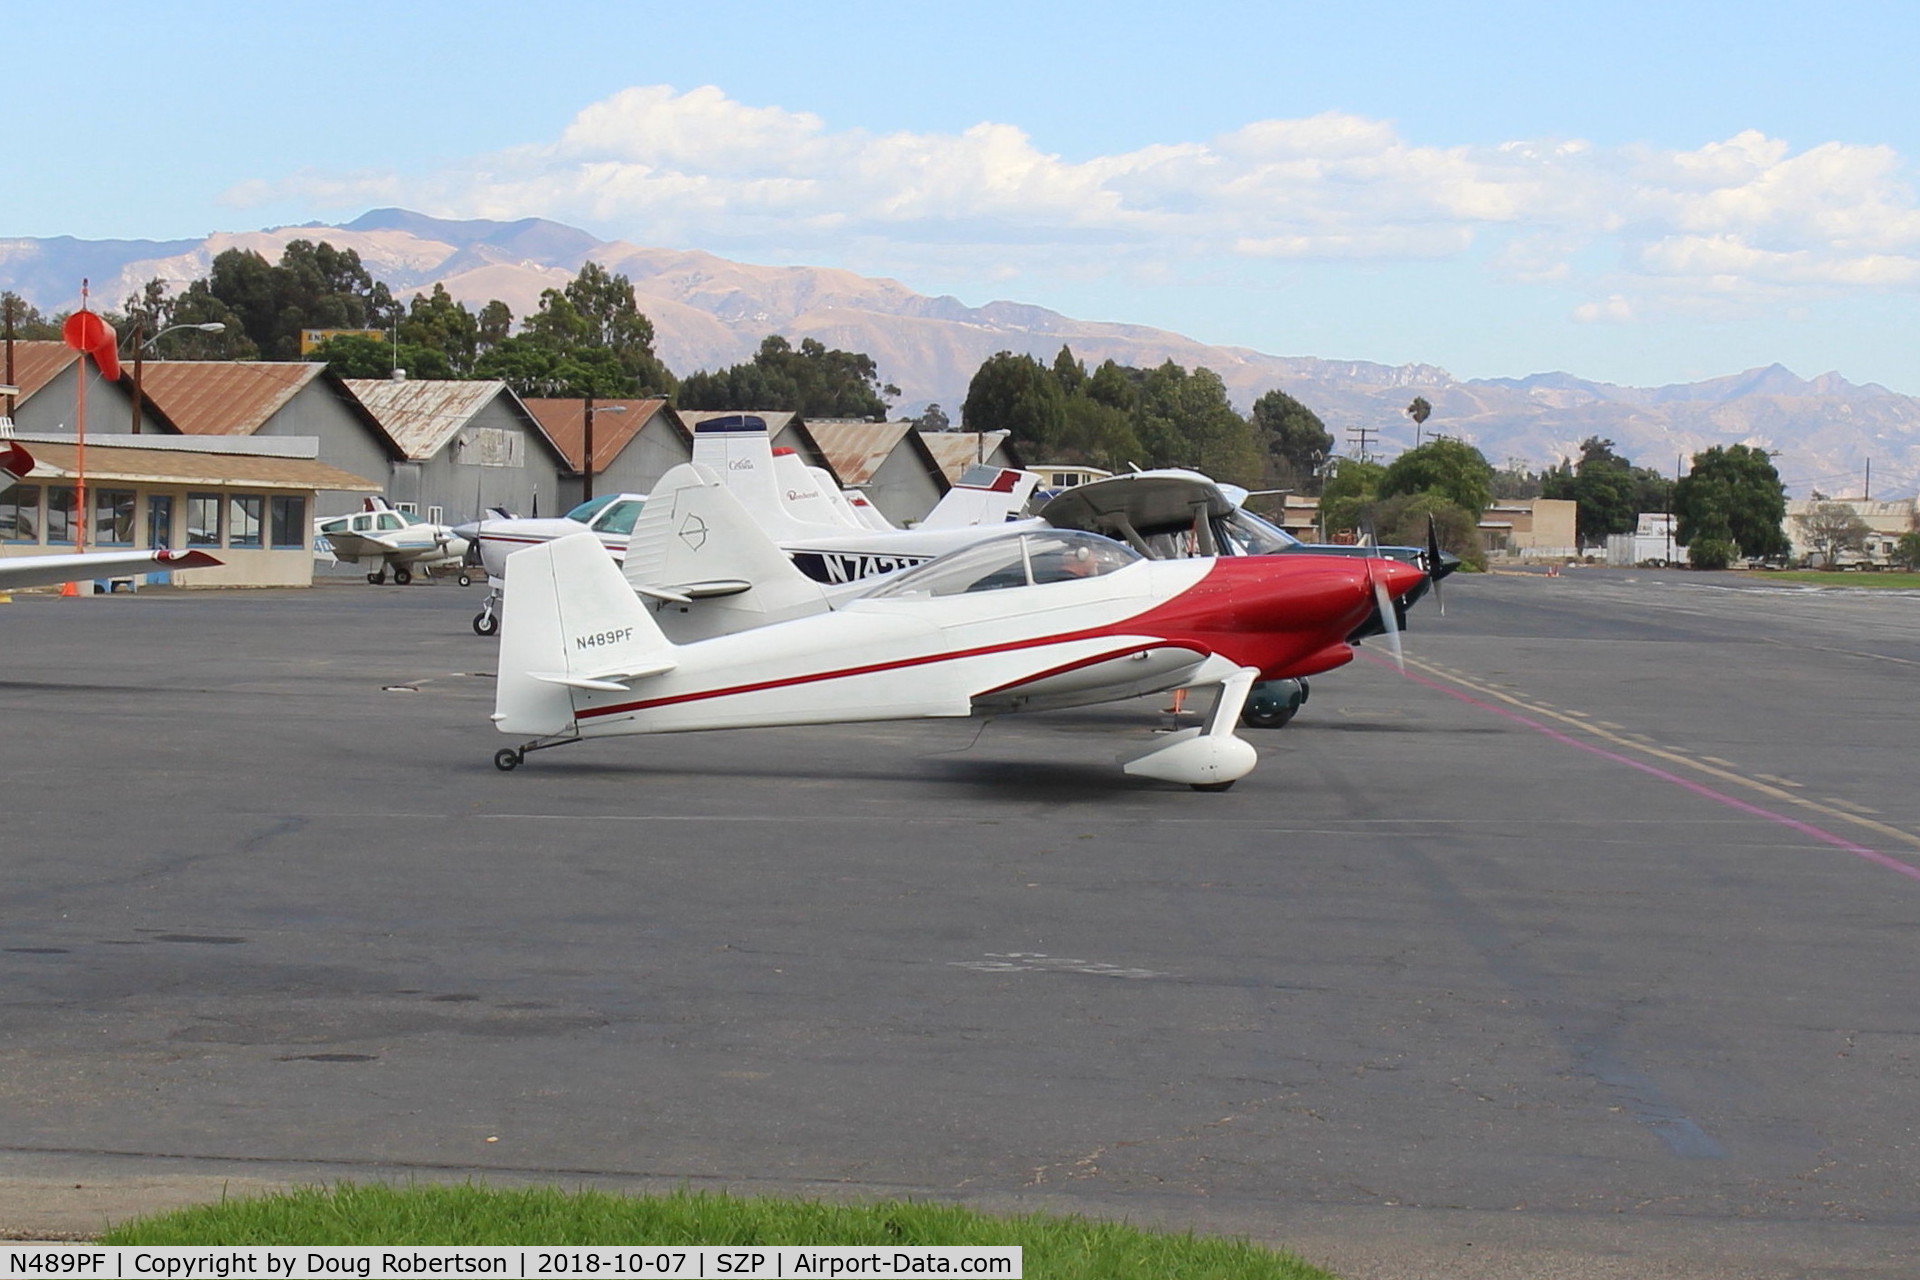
<point>1304,628</point>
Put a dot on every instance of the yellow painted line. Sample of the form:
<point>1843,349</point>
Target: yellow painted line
<point>1722,771</point>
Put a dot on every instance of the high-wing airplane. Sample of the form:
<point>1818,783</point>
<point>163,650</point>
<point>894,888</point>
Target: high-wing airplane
<point>799,507</point>
<point>1035,619</point>
<point>20,572</point>
<point>389,539</point>
<point>1172,514</point>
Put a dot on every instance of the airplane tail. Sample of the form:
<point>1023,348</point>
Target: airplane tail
<point>710,568</point>
<point>985,495</point>
<point>576,627</point>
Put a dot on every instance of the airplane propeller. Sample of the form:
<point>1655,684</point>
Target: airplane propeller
<point>1433,564</point>
<point>1389,619</point>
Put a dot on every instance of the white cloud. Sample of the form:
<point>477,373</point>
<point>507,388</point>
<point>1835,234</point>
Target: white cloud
<point>699,168</point>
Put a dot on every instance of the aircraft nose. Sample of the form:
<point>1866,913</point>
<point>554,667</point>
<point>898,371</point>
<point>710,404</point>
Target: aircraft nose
<point>470,530</point>
<point>1398,578</point>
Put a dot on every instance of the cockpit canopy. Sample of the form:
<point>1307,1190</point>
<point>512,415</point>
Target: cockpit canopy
<point>1018,560</point>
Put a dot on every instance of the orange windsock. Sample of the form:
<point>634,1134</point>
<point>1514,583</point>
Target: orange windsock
<point>85,331</point>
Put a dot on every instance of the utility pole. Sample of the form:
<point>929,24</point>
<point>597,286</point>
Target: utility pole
<point>1363,436</point>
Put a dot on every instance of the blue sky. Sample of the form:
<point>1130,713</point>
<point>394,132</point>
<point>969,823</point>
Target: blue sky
<point>1638,193</point>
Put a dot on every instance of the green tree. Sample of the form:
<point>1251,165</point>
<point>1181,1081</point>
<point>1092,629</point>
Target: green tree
<point>1296,441</point>
<point>933,418</point>
<point>1733,494</point>
<point>312,287</point>
<point>29,325</point>
<point>1185,420</point>
<point>1906,553</point>
<point>813,380</point>
<point>597,312</point>
<point>1072,375</point>
<point>1350,486</point>
<point>1401,521</point>
<point>1831,528</point>
<point>1016,393</point>
<point>444,327</point>
<point>1451,468</point>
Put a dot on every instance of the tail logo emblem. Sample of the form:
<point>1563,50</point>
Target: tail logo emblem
<point>694,532</point>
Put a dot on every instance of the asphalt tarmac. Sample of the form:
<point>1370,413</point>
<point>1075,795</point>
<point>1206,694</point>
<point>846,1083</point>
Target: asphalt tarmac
<point>1590,947</point>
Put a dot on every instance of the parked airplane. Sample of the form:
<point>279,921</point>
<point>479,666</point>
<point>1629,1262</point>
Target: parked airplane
<point>390,539</point>
<point>1172,514</point>
<point>20,572</point>
<point>1036,619</point>
<point>808,525</point>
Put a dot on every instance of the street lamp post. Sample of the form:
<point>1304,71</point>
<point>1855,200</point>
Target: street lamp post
<point>586,444</point>
<point>140,348</point>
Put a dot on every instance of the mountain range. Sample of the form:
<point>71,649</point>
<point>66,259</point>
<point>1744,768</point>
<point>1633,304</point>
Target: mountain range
<point>709,312</point>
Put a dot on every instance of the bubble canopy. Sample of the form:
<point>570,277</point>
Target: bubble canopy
<point>1017,560</point>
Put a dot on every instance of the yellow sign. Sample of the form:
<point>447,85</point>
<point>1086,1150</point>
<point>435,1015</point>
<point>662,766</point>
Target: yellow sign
<point>311,338</point>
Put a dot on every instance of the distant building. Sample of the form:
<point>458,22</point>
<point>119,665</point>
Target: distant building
<point>250,502</point>
<point>635,442</point>
<point>463,447</point>
<point>955,451</point>
<point>1885,521</point>
<point>1531,528</point>
<point>889,462</point>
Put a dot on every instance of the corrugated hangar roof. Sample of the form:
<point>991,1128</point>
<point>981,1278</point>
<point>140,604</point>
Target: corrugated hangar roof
<point>222,397</point>
<point>855,449</point>
<point>564,421</point>
<point>955,451</point>
<point>36,363</point>
<point>422,416</point>
<point>109,462</point>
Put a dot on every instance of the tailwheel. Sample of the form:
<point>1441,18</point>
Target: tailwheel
<point>402,575</point>
<point>507,759</point>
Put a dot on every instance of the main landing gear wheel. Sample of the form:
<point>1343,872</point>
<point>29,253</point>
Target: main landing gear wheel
<point>506,759</point>
<point>485,624</point>
<point>465,579</point>
<point>378,579</point>
<point>401,577</point>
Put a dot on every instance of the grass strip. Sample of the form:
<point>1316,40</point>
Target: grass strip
<point>1056,1248</point>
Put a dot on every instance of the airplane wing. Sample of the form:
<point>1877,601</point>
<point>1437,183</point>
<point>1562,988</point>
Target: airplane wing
<point>15,461</point>
<point>19,572</point>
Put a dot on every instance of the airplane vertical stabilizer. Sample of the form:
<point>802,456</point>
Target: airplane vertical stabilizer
<point>696,541</point>
<point>985,495</point>
<point>808,493</point>
<point>576,625</point>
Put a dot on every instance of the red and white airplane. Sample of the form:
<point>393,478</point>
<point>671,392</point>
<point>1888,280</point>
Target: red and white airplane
<point>1030,620</point>
<point>20,572</point>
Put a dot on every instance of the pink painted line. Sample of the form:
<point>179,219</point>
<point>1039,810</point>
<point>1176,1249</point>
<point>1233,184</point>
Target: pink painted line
<point>1804,828</point>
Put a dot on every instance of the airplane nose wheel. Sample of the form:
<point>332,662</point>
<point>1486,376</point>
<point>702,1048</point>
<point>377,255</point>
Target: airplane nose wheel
<point>506,759</point>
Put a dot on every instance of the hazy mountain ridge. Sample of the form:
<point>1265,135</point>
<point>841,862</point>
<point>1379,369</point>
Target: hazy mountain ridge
<point>710,312</point>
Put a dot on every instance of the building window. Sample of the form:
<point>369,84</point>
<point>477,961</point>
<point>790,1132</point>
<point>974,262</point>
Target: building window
<point>243,519</point>
<point>411,508</point>
<point>60,520</point>
<point>288,512</point>
<point>113,517</point>
<point>20,513</point>
<point>203,519</point>
<point>160,520</point>
<point>435,514</point>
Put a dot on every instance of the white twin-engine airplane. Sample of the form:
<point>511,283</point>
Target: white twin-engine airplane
<point>835,538</point>
<point>1036,619</point>
<point>390,539</point>
<point>17,573</point>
